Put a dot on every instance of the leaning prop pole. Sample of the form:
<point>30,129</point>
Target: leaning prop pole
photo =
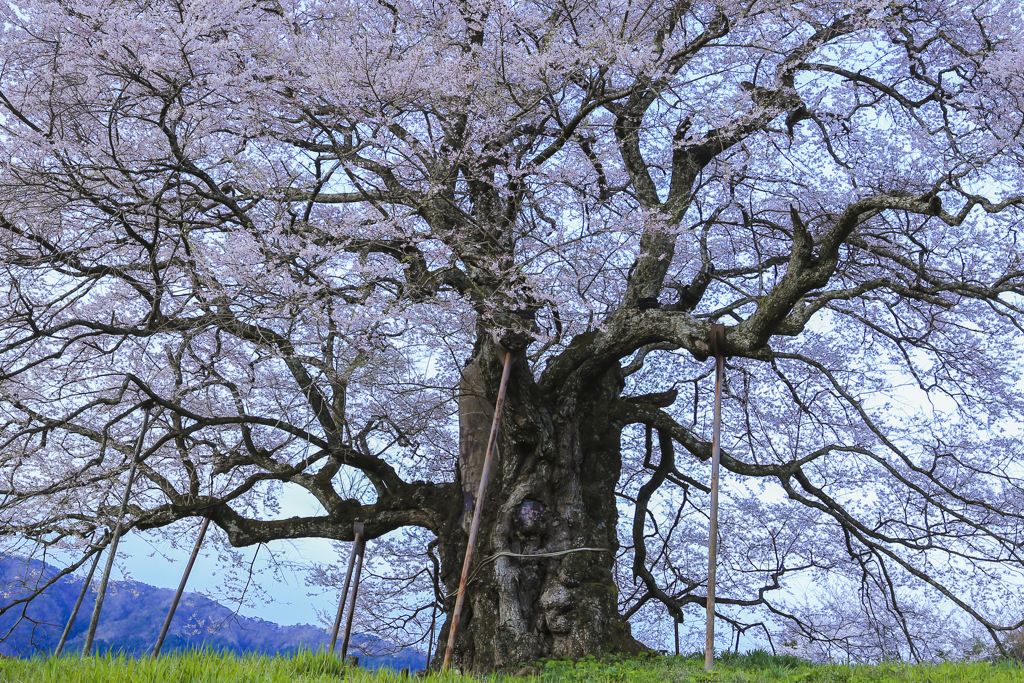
<point>716,342</point>
<point>115,539</point>
<point>181,587</point>
<point>78,603</point>
<point>357,537</point>
<point>478,511</point>
<point>357,553</point>
<point>88,580</point>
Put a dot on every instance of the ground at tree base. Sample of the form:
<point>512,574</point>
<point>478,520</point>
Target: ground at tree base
<point>758,667</point>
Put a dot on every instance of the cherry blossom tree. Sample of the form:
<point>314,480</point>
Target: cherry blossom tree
<point>295,233</point>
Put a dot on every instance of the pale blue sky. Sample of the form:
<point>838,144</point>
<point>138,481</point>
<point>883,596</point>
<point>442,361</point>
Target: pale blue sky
<point>144,557</point>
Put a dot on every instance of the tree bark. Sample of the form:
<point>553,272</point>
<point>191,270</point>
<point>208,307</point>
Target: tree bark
<point>541,579</point>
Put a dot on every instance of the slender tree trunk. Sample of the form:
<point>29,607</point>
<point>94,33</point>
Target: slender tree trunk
<point>541,579</point>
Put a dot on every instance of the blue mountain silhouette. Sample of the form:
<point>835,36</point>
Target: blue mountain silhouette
<point>133,614</point>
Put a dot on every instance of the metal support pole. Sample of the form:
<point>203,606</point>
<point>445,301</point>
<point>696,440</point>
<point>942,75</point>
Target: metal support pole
<point>181,587</point>
<point>478,511</point>
<point>78,603</point>
<point>677,636</point>
<point>357,529</point>
<point>717,344</point>
<point>360,549</point>
<point>115,539</point>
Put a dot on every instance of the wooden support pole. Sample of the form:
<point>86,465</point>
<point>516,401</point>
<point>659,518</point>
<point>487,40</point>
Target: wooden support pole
<point>98,550</point>
<point>359,550</point>
<point>357,529</point>
<point>717,344</point>
<point>478,511</point>
<point>181,587</point>
<point>115,539</point>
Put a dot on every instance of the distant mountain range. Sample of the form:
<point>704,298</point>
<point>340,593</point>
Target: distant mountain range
<point>133,614</point>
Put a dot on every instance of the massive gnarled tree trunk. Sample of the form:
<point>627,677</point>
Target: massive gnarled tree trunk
<point>542,576</point>
<point>542,582</point>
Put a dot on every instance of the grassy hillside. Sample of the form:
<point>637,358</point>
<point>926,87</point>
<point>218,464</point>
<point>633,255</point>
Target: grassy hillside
<point>309,668</point>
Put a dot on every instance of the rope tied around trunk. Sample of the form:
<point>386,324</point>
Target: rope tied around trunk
<point>557,553</point>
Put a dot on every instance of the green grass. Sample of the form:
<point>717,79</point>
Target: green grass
<point>762,667</point>
<point>756,667</point>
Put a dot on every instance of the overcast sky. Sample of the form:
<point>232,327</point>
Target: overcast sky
<point>146,557</point>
